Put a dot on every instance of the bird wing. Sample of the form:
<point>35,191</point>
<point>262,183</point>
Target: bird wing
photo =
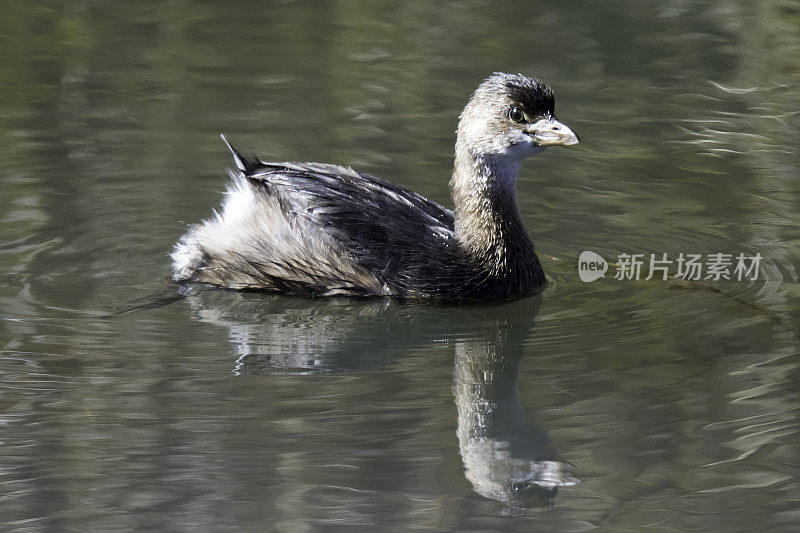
<point>387,229</point>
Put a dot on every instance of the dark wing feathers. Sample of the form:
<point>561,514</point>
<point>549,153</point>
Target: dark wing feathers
<point>404,239</point>
<point>395,233</point>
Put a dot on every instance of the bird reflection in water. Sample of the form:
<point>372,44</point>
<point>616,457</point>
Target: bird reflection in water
<point>505,457</point>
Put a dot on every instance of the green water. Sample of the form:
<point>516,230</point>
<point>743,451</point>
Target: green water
<point>656,406</point>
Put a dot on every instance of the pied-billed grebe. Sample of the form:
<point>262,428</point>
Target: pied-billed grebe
<point>317,229</point>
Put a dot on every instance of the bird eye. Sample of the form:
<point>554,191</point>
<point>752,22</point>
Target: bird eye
<point>516,115</point>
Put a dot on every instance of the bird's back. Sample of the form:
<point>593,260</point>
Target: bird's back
<point>318,229</point>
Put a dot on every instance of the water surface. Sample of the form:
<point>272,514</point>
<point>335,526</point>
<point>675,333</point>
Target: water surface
<point>619,405</point>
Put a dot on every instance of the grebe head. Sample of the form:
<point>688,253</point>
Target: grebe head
<point>511,116</point>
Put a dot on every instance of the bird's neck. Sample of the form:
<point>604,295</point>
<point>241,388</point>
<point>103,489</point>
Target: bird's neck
<point>487,220</point>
